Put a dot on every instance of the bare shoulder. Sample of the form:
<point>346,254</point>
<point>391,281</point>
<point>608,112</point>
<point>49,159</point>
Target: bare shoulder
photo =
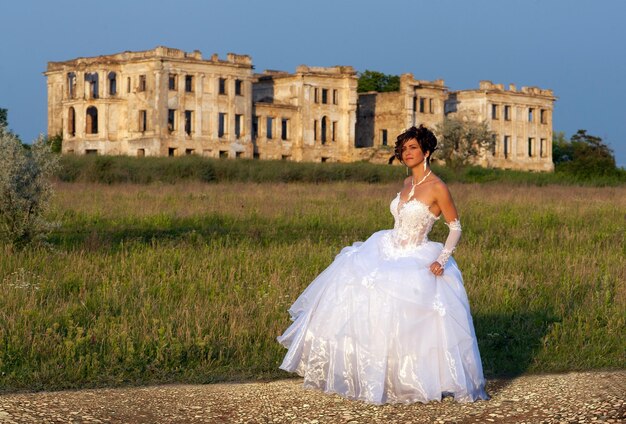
<point>440,189</point>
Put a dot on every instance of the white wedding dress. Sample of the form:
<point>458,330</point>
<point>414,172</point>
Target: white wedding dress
<point>376,325</point>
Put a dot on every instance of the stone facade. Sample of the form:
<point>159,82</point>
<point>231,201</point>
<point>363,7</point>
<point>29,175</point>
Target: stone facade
<point>520,119</point>
<point>307,116</point>
<point>154,103</point>
<point>166,101</point>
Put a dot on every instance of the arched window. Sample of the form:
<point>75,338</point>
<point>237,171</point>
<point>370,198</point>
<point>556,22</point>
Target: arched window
<point>112,84</point>
<point>71,122</point>
<point>91,122</point>
<point>324,125</point>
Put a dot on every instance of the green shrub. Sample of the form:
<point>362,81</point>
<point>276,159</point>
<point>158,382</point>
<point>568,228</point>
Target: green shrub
<point>25,189</point>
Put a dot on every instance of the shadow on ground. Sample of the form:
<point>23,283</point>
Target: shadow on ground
<point>508,343</point>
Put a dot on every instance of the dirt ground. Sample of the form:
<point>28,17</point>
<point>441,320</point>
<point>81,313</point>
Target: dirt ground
<point>588,397</point>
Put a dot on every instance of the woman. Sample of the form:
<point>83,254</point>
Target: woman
<point>389,321</point>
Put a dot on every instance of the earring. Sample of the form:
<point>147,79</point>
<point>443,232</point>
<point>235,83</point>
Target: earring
<point>407,170</point>
<point>425,162</point>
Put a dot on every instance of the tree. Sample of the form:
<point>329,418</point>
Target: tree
<point>462,140</point>
<point>377,81</point>
<point>584,154</point>
<point>55,142</point>
<point>4,121</point>
<point>561,148</point>
<point>25,189</point>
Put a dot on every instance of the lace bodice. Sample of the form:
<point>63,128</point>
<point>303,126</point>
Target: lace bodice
<point>413,220</point>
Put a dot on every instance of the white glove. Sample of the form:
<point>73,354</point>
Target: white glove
<point>453,238</point>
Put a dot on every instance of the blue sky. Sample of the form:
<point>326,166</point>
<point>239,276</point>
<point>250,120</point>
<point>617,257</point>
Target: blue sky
<point>574,47</point>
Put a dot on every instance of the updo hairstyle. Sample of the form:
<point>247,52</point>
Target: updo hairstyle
<point>424,137</point>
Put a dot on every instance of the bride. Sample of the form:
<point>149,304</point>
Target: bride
<point>388,321</point>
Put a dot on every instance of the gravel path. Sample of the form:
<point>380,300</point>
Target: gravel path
<point>561,398</point>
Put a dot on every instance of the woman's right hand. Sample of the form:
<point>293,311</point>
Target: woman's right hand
<point>436,269</point>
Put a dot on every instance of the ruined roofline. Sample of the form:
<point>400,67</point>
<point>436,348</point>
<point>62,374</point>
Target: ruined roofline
<point>487,87</point>
<point>409,79</point>
<point>159,52</point>
<point>304,70</point>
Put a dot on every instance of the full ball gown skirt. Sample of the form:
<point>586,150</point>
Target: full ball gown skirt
<point>376,325</point>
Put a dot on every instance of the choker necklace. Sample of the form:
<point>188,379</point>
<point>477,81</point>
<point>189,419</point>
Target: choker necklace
<point>413,185</point>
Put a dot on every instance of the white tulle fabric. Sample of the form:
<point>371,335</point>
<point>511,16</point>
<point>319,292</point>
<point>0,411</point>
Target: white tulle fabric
<point>376,325</point>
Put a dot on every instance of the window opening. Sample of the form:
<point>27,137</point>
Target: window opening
<point>238,84</point>
<point>221,125</point>
<point>92,80</point>
<point>188,121</point>
<point>255,126</point>
<point>189,83</point>
<point>284,126</point>
<point>112,83</point>
<point>91,122</point>
<point>71,121</point>
<point>172,82</point>
<point>507,141</point>
<point>171,120</point>
<point>238,120</point>
<point>222,86</point>
<point>268,129</point>
<point>324,124</point>
<point>71,85</point>
<point>143,125</point>
<point>142,83</point>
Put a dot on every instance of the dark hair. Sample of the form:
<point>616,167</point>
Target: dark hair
<point>424,137</point>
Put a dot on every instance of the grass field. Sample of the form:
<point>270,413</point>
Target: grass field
<point>191,282</point>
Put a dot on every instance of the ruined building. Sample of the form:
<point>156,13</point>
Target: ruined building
<point>159,102</point>
<point>306,116</point>
<point>520,119</point>
<point>169,102</point>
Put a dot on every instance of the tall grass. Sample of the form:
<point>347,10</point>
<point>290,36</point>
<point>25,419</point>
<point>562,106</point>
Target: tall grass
<point>191,282</point>
<point>123,169</point>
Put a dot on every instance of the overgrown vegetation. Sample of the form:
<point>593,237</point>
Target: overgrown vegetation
<point>191,282</point>
<point>124,169</point>
<point>584,155</point>
<point>377,81</point>
<point>25,189</point>
<point>461,140</point>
